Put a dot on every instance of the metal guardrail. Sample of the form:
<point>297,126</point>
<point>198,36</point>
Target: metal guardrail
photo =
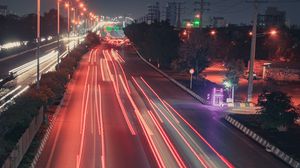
<point>263,142</point>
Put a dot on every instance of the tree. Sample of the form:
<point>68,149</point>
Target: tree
<point>157,41</point>
<point>235,69</point>
<point>193,53</point>
<point>277,110</point>
<point>92,39</point>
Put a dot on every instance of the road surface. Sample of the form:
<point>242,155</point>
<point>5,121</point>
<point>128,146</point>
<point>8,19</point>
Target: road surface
<point>119,112</point>
<point>235,147</point>
<point>23,66</point>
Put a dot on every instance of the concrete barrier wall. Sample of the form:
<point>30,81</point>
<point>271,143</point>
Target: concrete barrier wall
<point>48,131</point>
<point>276,151</point>
<point>22,146</point>
<point>202,100</point>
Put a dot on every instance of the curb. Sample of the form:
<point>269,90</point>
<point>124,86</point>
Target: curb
<point>274,150</point>
<point>243,105</point>
<point>203,101</point>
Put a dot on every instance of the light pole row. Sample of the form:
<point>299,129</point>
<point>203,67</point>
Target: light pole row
<point>38,35</point>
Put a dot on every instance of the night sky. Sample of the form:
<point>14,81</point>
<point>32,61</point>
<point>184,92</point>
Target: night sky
<point>234,11</point>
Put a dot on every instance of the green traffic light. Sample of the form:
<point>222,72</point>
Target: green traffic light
<point>116,28</point>
<point>109,29</point>
<point>197,23</point>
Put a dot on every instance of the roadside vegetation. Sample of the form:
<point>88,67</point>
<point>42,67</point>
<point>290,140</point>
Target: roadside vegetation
<point>23,28</point>
<point>16,119</point>
<point>275,121</point>
<point>158,42</point>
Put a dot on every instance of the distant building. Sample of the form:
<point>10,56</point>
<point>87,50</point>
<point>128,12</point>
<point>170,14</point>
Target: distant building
<point>3,10</point>
<point>171,13</point>
<point>153,13</point>
<point>218,22</point>
<point>142,19</point>
<point>272,17</point>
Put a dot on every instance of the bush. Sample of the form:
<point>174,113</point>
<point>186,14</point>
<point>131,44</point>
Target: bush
<point>277,110</point>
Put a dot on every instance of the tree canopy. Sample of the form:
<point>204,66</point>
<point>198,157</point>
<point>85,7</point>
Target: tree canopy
<point>277,110</point>
<point>158,41</point>
<point>193,53</point>
<point>23,28</point>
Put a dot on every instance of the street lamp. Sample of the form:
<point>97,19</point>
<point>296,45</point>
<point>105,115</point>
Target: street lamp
<point>38,35</point>
<point>67,5</point>
<point>253,33</point>
<point>192,71</point>
<point>58,31</point>
<point>213,32</point>
<point>273,32</point>
<point>81,5</point>
<point>189,25</point>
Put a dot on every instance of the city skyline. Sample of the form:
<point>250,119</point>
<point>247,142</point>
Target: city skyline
<point>234,11</point>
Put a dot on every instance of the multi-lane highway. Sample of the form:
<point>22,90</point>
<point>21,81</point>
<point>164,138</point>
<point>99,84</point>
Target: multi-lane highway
<point>23,66</point>
<point>119,112</point>
<point>216,139</point>
<point>93,128</point>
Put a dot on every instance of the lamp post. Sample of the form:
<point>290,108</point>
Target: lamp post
<point>73,9</point>
<point>192,71</point>
<point>38,35</point>
<point>58,31</point>
<point>67,5</point>
<point>253,52</point>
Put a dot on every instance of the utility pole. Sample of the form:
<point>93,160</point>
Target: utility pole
<point>253,50</point>
<point>178,14</point>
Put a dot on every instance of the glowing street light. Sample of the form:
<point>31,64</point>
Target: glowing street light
<point>192,71</point>
<point>67,5</point>
<point>213,32</point>
<point>189,25</point>
<point>81,5</point>
<point>273,32</point>
<point>58,30</point>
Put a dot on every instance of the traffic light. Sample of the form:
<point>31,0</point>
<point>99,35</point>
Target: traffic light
<point>109,28</point>
<point>196,23</point>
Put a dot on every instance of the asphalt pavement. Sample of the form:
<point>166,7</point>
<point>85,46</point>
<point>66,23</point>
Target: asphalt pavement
<point>119,112</point>
<point>235,147</point>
